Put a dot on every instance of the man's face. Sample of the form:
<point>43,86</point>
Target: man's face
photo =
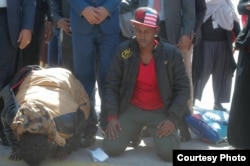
<point>145,35</point>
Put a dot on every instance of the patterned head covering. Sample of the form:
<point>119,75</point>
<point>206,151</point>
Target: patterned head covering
<point>34,117</point>
<point>146,16</point>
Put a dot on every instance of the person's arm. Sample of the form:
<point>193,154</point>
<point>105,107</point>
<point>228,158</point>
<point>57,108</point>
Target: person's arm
<point>200,11</point>
<point>28,14</point>
<point>112,99</point>
<point>113,83</point>
<point>72,144</point>
<point>48,34</point>
<point>188,22</point>
<point>128,6</point>
<point>111,6</point>
<point>27,26</point>
<point>7,117</point>
<point>236,28</point>
<point>57,16</point>
<point>188,16</point>
<point>55,7</point>
<point>181,88</point>
<point>80,6</point>
<point>15,153</point>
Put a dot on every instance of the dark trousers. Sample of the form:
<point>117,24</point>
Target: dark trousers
<point>92,54</point>
<point>8,53</point>
<point>31,54</point>
<point>67,51</point>
<point>55,50</point>
<point>132,120</point>
<point>216,62</point>
<point>8,56</point>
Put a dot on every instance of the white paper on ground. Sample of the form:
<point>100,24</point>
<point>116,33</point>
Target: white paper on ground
<point>98,155</point>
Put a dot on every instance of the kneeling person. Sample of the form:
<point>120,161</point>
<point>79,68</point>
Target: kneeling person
<point>147,85</point>
<point>47,115</point>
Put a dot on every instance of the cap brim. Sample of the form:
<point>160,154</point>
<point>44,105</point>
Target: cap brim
<point>140,23</point>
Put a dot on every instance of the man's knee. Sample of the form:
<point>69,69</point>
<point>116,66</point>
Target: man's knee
<point>166,156</point>
<point>165,149</point>
<point>111,149</point>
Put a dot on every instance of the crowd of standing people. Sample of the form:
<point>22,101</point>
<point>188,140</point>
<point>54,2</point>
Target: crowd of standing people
<point>148,81</point>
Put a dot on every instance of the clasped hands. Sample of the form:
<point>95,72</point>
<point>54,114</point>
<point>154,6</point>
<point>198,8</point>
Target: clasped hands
<point>95,15</point>
<point>165,128</point>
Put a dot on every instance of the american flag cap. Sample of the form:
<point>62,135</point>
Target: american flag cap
<point>146,16</point>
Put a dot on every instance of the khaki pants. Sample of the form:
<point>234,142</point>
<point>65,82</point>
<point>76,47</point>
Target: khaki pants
<point>132,121</point>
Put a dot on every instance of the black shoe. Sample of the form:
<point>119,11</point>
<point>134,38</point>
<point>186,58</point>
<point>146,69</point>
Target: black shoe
<point>219,107</point>
<point>185,135</point>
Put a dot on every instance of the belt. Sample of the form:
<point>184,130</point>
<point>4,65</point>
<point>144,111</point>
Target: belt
<point>3,9</point>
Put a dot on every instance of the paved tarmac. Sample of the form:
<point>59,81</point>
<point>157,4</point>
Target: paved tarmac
<point>141,156</point>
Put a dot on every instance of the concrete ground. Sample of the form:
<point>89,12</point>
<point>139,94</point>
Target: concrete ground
<point>141,156</point>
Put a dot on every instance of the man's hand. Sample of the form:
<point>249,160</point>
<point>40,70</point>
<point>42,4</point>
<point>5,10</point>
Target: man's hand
<point>24,38</point>
<point>64,24</point>
<point>48,34</point>
<point>184,43</point>
<point>91,15</point>
<point>15,155</point>
<point>112,129</point>
<point>103,13</point>
<point>165,128</point>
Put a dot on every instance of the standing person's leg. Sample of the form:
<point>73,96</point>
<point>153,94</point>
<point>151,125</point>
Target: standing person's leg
<point>208,62</point>
<point>31,54</point>
<point>187,57</point>
<point>184,128</point>
<point>67,58</point>
<point>3,139</point>
<point>53,49</point>
<point>182,125</point>
<point>8,57</point>
<point>222,74</point>
<point>84,60</point>
<point>84,66</point>
<point>59,47</point>
<point>107,44</point>
<point>238,132</point>
<point>67,52</point>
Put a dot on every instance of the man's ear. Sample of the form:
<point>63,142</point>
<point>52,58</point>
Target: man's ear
<point>157,30</point>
